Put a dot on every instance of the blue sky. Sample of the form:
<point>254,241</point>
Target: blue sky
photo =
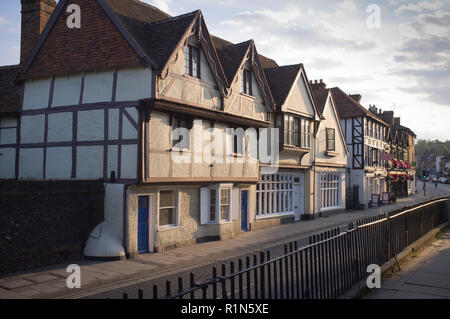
<point>404,65</point>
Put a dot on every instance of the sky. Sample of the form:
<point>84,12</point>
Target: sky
<point>399,62</point>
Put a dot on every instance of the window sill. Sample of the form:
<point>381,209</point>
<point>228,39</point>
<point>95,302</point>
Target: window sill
<point>222,222</point>
<point>331,153</point>
<point>168,227</point>
<point>180,150</point>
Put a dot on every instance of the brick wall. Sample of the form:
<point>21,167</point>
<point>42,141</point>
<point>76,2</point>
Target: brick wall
<point>96,45</point>
<point>43,223</point>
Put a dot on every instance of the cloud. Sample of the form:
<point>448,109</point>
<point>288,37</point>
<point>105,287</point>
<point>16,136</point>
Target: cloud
<point>420,6</point>
<point>3,21</point>
<point>164,5</point>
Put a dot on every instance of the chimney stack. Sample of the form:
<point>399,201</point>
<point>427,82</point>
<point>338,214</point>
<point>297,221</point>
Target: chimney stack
<point>35,15</point>
<point>318,85</point>
<point>388,117</point>
<point>396,121</point>
<point>356,97</point>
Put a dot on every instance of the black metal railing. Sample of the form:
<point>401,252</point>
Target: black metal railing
<point>324,268</point>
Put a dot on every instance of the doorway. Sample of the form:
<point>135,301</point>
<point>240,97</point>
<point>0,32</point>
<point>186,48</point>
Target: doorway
<point>145,224</point>
<point>244,210</point>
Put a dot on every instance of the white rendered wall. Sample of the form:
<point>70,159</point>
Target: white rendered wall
<point>32,129</point>
<point>67,90</point>
<point>114,208</point>
<point>113,124</point>
<point>8,130</point>
<point>128,167</point>
<point>58,163</point>
<point>91,125</point>
<point>60,127</point>
<point>133,84</point>
<point>299,100</point>
<point>31,163</point>
<point>7,163</point>
<point>98,87</point>
<point>36,94</point>
<point>90,162</point>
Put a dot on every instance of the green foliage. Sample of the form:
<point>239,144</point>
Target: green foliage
<point>425,148</point>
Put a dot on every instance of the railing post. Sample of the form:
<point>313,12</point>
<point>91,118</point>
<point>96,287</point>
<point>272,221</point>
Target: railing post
<point>262,275</point>
<point>214,274</point>
<point>223,283</point>
<point>232,277</point>
<point>269,275</point>
<point>168,289</point>
<point>140,294</point>
<point>155,292</point>
<point>192,283</point>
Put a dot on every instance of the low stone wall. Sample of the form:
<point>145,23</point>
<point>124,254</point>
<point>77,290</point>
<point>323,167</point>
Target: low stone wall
<point>46,222</point>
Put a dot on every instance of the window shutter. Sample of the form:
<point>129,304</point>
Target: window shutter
<point>204,205</point>
<point>235,204</point>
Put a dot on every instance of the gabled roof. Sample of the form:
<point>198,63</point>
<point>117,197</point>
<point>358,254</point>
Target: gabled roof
<point>159,39</point>
<point>137,10</point>
<point>231,58</point>
<point>347,107</point>
<point>321,97</point>
<point>9,91</point>
<point>281,80</point>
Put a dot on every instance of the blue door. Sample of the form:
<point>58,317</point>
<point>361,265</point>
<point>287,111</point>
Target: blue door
<point>244,217</point>
<point>143,224</point>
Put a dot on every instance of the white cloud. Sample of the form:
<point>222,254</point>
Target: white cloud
<point>421,6</point>
<point>3,21</point>
<point>164,5</point>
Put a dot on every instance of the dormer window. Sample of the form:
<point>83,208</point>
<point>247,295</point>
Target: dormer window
<point>192,61</point>
<point>246,82</point>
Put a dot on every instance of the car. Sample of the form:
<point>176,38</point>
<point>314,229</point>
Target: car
<point>442,180</point>
<point>434,179</point>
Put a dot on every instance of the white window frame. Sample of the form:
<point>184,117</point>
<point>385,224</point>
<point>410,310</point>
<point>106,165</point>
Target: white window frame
<point>330,191</point>
<point>177,209</point>
<point>218,188</point>
<point>275,195</point>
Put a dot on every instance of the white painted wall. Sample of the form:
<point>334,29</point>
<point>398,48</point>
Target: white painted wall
<point>134,84</point>
<point>128,167</point>
<point>98,87</point>
<point>113,124</point>
<point>114,208</point>
<point>58,163</point>
<point>7,163</point>
<point>8,130</point>
<point>36,94</point>
<point>60,127</point>
<point>299,101</point>
<point>91,125</point>
<point>90,162</point>
<point>67,90</point>
<point>32,129</point>
<point>31,163</point>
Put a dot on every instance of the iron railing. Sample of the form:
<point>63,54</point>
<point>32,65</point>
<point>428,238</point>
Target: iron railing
<point>324,268</point>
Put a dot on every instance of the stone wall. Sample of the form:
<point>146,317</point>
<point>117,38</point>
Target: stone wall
<point>46,222</point>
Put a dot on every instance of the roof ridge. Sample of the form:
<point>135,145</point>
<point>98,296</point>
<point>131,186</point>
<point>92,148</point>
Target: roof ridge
<point>149,5</point>
<point>175,18</point>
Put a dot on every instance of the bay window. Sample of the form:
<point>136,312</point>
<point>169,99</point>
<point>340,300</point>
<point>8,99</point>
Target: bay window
<point>296,131</point>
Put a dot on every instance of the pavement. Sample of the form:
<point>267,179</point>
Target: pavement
<point>425,276</point>
<point>50,282</point>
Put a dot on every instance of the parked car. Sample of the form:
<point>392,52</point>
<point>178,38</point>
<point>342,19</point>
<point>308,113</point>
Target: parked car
<point>442,180</point>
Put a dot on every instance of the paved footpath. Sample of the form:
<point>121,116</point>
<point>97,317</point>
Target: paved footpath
<point>50,282</point>
<point>426,276</point>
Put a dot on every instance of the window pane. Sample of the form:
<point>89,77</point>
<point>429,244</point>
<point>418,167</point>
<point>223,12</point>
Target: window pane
<point>166,199</point>
<point>212,209</point>
<point>166,216</point>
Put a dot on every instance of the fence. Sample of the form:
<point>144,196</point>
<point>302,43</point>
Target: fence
<point>328,265</point>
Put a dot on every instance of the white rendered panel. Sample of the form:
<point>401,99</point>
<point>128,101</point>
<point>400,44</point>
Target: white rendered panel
<point>8,136</point>
<point>114,208</point>
<point>113,124</point>
<point>90,162</point>
<point>58,163</point>
<point>133,84</point>
<point>91,125</point>
<point>60,127</point>
<point>7,163</point>
<point>128,130</point>
<point>98,87</point>
<point>67,90</point>
<point>113,152</point>
<point>36,94</point>
<point>31,163</point>
<point>128,162</point>
<point>32,129</point>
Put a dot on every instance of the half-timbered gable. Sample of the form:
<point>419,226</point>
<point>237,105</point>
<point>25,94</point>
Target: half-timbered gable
<point>249,94</point>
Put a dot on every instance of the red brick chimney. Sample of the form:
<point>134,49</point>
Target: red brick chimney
<point>318,86</point>
<point>35,15</point>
